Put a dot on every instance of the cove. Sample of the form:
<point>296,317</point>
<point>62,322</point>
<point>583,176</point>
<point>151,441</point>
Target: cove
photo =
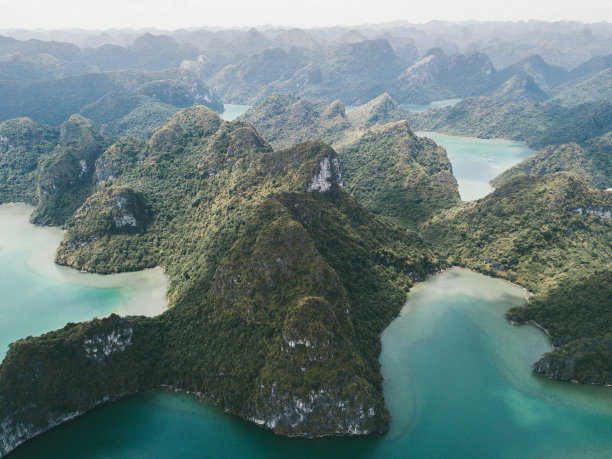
<point>458,383</point>
<point>38,296</point>
<point>478,161</point>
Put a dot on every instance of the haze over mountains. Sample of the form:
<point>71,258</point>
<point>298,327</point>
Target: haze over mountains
<point>525,63</point>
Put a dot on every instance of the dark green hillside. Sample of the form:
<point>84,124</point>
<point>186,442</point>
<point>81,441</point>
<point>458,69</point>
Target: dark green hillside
<point>592,162</point>
<point>280,286</point>
<point>65,177</point>
<point>23,143</point>
<point>286,120</point>
<point>520,90</point>
<point>398,175</point>
<point>539,126</point>
<point>129,115</point>
<point>387,168</point>
<point>597,86</point>
<point>544,75</point>
<point>380,110</point>
<point>550,234</point>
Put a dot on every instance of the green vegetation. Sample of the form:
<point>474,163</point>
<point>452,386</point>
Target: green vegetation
<point>439,76</point>
<point>52,102</point>
<point>550,234</point>
<point>398,175</point>
<point>597,86</point>
<point>593,163</point>
<point>281,279</point>
<point>574,139</point>
<point>351,72</point>
<point>65,177</point>
<point>539,126</point>
<point>22,144</point>
<point>251,254</point>
<point>386,167</point>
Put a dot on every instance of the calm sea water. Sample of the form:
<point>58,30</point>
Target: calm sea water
<point>458,384</point>
<point>478,161</point>
<point>37,296</point>
<point>233,111</point>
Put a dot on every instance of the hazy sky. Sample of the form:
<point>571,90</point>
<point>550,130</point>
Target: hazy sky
<point>172,14</point>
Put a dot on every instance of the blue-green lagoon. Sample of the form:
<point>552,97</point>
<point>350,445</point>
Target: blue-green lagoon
<point>478,161</point>
<point>38,296</point>
<point>459,383</point>
<point>233,111</point>
<point>419,108</point>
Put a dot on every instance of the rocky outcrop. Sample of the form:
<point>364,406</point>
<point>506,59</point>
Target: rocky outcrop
<point>574,362</point>
<point>328,173</point>
<point>327,411</point>
<point>106,359</point>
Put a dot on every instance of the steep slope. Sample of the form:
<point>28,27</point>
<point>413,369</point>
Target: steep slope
<point>544,75</point>
<point>550,234</point>
<point>438,76</point>
<point>520,90</point>
<point>388,169</point>
<point>539,126</point>
<point>382,109</point>
<point>52,102</point>
<point>65,177</point>
<point>398,175</point>
<point>23,143</point>
<point>280,286</point>
<point>594,87</point>
<point>593,163</point>
<point>593,65</point>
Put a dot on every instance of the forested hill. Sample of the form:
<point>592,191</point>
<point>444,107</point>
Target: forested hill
<point>280,286</point>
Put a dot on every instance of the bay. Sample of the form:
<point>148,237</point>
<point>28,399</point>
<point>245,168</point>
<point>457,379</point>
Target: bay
<point>477,161</point>
<point>38,296</point>
<point>458,383</point>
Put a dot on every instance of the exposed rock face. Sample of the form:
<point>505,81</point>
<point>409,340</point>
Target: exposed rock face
<point>328,173</point>
<point>65,176</point>
<point>324,411</point>
<point>102,345</point>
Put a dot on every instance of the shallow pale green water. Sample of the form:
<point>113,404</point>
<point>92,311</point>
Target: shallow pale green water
<point>233,111</point>
<point>458,384</point>
<point>477,161</point>
<point>37,296</point>
<point>437,104</point>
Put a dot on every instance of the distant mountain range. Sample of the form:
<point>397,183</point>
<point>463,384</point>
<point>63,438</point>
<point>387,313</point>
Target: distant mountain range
<point>353,65</point>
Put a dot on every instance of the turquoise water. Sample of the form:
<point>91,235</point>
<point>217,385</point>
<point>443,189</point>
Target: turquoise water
<point>37,296</point>
<point>437,104</point>
<point>478,161</point>
<point>233,111</point>
<point>458,384</point>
